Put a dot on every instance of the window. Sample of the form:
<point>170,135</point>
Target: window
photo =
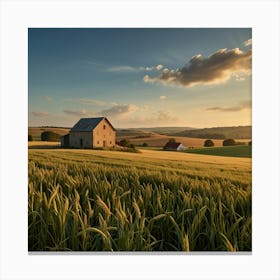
<point>97,142</point>
<point>104,126</point>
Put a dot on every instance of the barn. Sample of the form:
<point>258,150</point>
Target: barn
<point>89,133</point>
<point>174,146</point>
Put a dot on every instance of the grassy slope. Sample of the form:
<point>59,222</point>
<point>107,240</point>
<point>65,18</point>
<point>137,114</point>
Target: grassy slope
<point>230,151</point>
<point>154,201</point>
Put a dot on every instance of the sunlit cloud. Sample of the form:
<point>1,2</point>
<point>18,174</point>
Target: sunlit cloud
<point>118,110</point>
<point>248,43</point>
<point>40,114</point>
<point>239,107</point>
<point>215,69</point>
<point>162,97</point>
<point>78,113</point>
<point>86,101</point>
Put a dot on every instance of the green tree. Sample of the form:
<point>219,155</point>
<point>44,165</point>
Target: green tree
<point>208,143</point>
<point>145,145</point>
<point>172,140</point>
<point>229,142</point>
<point>124,143</point>
<point>30,137</point>
<point>50,136</point>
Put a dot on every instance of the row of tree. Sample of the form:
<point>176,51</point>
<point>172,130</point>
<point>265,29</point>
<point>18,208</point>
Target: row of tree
<point>226,142</point>
<point>47,136</point>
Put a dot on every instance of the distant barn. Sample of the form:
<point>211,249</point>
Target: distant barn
<point>174,146</point>
<point>90,133</point>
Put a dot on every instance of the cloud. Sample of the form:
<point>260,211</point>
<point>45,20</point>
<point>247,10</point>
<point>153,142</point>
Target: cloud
<point>248,42</point>
<point>122,68</point>
<point>240,107</point>
<point>118,110</point>
<point>79,113</point>
<point>159,67</point>
<point>86,101</point>
<point>215,69</point>
<point>40,114</point>
<point>162,97</point>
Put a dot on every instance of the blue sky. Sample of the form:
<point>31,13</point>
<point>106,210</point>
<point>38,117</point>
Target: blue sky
<point>140,77</point>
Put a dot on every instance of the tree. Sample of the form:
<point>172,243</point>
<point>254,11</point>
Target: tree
<point>172,140</point>
<point>50,136</point>
<point>30,137</point>
<point>229,142</point>
<point>208,143</point>
<point>145,145</point>
<point>124,143</point>
<point>250,143</point>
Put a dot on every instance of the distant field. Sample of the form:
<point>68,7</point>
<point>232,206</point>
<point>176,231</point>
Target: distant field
<point>90,200</point>
<point>138,137</point>
<point>230,151</point>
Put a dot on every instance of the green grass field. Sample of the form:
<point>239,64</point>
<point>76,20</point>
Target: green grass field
<point>85,200</point>
<point>228,151</point>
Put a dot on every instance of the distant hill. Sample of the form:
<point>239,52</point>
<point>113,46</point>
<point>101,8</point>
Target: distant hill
<point>160,130</point>
<point>235,132</point>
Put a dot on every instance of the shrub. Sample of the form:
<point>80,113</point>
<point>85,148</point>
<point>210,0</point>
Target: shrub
<point>172,140</point>
<point>132,146</point>
<point>250,143</point>
<point>50,136</point>
<point>30,137</point>
<point>123,143</point>
<point>229,142</point>
<point>208,143</point>
<point>145,145</point>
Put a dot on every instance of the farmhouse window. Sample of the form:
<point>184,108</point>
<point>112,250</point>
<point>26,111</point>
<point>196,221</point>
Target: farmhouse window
<point>104,126</point>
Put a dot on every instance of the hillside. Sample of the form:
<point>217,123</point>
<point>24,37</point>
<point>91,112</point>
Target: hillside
<point>235,132</point>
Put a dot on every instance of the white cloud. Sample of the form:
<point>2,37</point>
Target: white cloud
<point>248,42</point>
<point>215,69</point>
<point>162,97</point>
<point>159,67</point>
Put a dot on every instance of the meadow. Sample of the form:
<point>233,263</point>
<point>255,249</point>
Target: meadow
<point>227,151</point>
<point>91,200</point>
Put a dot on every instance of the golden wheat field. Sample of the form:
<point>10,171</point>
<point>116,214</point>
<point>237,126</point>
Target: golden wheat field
<point>96,200</point>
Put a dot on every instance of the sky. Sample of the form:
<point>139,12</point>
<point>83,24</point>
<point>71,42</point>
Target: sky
<point>140,77</point>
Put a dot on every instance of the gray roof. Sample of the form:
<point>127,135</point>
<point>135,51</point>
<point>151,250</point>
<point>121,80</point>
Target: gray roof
<point>88,124</point>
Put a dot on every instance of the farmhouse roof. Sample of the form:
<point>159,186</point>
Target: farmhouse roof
<point>88,124</point>
<point>172,145</point>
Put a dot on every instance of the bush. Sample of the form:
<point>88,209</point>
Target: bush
<point>123,143</point>
<point>50,136</point>
<point>250,143</point>
<point>229,142</point>
<point>172,140</point>
<point>208,143</point>
<point>145,145</point>
<point>30,137</point>
<point>132,146</point>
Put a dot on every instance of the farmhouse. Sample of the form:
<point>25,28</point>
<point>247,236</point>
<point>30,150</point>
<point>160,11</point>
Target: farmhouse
<point>90,133</point>
<point>174,146</point>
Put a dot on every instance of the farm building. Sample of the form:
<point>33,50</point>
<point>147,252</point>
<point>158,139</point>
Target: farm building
<point>174,146</point>
<point>90,133</point>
